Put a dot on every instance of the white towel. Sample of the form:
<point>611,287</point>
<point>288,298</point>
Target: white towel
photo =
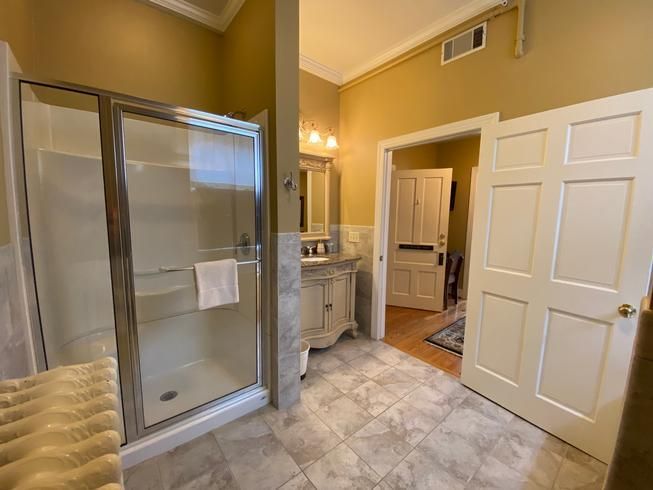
<point>216,283</point>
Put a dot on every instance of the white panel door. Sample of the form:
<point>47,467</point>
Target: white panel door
<point>419,218</point>
<point>562,237</point>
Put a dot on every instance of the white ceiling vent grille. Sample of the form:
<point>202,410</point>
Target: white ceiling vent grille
<point>464,43</point>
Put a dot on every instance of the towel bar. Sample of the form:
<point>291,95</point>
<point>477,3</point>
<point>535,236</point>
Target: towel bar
<point>171,268</point>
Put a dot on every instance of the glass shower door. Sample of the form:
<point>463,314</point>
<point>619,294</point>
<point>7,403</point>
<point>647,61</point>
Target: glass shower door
<point>193,191</point>
<point>71,291</point>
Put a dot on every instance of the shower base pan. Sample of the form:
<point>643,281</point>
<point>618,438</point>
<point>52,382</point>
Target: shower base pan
<point>188,387</point>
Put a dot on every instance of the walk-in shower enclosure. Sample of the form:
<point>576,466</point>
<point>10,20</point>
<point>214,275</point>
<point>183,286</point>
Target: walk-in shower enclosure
<point>118,198</point>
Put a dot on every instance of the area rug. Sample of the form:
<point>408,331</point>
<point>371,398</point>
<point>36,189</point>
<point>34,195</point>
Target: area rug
<point>451,338</point>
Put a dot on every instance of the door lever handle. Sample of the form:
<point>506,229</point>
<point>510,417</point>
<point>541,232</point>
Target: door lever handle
<point>627,311</point>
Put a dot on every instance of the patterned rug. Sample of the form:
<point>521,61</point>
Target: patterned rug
<point>451,338</point>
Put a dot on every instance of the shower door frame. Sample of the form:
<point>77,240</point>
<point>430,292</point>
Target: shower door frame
<point>111,107</point>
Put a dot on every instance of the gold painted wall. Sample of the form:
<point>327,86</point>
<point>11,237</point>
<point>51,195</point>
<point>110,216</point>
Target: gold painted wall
<point>261,66</point>
<point>460,155</point>
<point>286,79</point>
<point>130,47</point>
<point>16,29</point>
<point>118,45</point>
<point>416,157</point>
<point>319,101</point>
<point>248,73</point>
<point>124,46</point>
<point>576,50</point>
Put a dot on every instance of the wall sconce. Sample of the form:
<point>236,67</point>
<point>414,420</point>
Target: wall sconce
<point>313,135</point>
<point>331,142</point>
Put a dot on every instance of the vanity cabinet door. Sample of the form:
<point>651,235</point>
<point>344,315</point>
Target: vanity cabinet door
<point>340,300</point>
<point>314,300</point>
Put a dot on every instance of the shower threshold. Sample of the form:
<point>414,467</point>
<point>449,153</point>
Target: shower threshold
<point>195,384</point>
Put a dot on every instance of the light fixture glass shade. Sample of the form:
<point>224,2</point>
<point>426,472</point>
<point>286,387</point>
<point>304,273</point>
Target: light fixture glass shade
<point>331,142</point>
<point>314,137</point>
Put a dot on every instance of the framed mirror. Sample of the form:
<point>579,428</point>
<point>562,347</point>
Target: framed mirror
<point>314,174</point>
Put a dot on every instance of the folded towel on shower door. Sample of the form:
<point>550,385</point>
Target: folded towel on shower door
<point>216,283</point>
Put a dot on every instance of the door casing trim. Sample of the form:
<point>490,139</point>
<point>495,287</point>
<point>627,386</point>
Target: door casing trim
<point>466,127</point>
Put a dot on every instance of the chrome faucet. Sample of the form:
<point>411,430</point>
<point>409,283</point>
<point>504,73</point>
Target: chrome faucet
<point>306,250</point>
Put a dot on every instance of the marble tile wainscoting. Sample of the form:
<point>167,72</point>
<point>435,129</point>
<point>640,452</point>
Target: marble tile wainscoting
<point>334,231</point>
<point>284,317</point>
<point>365,249</point>
<point>14,361</point>
<point>371,416</point>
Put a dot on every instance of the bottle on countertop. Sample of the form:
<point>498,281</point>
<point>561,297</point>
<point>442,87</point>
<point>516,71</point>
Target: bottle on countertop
<point>320,248</point>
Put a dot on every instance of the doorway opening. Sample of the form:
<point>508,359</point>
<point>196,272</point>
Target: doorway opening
<point>424,206</point>
<point>430,192</point>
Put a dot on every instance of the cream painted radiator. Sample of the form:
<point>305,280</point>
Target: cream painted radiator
<point>60,429</point>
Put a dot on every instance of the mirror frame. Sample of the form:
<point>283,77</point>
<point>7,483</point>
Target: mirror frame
<point>318,163</point>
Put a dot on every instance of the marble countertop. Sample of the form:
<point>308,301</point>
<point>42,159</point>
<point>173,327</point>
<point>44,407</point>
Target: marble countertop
<point>336,258</point>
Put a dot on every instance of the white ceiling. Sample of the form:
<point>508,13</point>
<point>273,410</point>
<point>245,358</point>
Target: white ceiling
<point>342,39</point>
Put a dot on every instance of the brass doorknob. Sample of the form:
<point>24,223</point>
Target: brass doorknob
<point>627,311</point>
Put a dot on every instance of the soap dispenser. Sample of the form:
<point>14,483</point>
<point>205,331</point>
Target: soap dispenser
<point>320,248</point>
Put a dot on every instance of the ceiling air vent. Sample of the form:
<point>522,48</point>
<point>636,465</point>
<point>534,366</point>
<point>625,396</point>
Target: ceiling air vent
<point>464,43</point>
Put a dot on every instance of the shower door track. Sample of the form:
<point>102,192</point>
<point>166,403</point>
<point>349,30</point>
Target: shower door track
<point>111,108</point>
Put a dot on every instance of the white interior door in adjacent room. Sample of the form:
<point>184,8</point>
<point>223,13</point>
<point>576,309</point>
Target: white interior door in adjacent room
<point>563,242</point>
<point>419,222</point>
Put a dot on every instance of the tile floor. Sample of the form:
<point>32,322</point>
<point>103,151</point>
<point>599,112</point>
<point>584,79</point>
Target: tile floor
<point>373,417</point>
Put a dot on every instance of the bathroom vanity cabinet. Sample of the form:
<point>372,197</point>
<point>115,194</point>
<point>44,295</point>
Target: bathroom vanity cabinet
<point>328,292</point>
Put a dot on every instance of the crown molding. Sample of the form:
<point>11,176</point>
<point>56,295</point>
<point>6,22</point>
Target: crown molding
<point>320,70</point>
<point>442,25</point>
<point>218,23</point>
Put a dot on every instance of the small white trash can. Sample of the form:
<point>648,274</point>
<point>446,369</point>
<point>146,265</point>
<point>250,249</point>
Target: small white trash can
<point>303,358</point>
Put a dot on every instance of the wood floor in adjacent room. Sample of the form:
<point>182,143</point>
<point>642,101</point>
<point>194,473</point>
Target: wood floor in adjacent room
<point>406,329</point>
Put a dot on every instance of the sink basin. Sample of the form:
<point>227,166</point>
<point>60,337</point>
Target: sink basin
<point>310,260</point>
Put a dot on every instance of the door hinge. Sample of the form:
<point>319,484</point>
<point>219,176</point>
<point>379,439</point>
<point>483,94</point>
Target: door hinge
<point>380,258</point>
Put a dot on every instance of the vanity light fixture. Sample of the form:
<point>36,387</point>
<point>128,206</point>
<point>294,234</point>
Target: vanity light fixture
<point>331,142</point>
<point>314,136</point>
